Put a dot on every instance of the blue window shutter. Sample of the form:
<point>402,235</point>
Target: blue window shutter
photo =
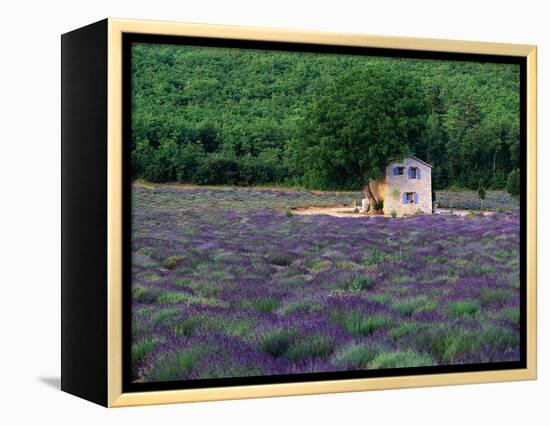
<point>395,171</point>
<point>404,198</point>
<point>418,173</point>
<point>409,172</point>
<point>415,198</point>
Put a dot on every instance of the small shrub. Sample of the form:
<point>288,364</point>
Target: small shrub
<point>175,364</point>
<point>449,345</point>
<point>498,296</point>
<point>400,359</point>
<point>142,348</point>
<point>281,259</point>
<point>288,212</point>
<point>361,284</point>
<point>403,330</point>
<point>266,305</point>
<point>172,262</point>
<point>310,346</point>
<point>277,342</point>
<point>302,306</point>
<point>464,308</point>
<point>165,316</point>
<point>380,298</point>
<point>497,336</point>
<point>378,205</point>
<point>433,341</point>
<point>417,304</point>
<point>393,213</point>
<point>142,294</point>
<point>512,314</point>
<point>188,327</point>
<point>396,193</point>
<point>459,344</point>
<point>355,356</point>
<point>358,324</point>
<point>375,257</point>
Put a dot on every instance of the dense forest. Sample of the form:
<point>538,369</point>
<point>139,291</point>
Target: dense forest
<point>234,116</point>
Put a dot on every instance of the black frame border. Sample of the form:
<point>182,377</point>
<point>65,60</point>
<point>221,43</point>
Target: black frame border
<point>129,38</point>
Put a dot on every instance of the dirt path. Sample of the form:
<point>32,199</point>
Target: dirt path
<point>344,211</point>
<point>338,211</point>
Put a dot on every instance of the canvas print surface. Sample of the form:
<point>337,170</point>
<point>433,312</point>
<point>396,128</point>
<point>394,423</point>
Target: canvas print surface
<point>315,212</point>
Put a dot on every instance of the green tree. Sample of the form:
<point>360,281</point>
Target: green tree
<point>356,125</point>
<point>513,183</point>
<point>194,104</point>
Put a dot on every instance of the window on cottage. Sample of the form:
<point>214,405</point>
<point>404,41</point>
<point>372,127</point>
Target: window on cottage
<point>413,172</point>
<point>398,171</point>
<point>410,198</point>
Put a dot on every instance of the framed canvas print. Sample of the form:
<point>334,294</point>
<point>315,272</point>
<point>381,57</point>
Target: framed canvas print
<point>254,212</point>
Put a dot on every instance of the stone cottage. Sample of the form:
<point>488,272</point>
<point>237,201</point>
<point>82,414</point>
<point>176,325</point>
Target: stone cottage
<point>406,187</point>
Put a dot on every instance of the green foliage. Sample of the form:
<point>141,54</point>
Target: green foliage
<point>266,305</point>
<point>172,364</point>
<point>481,193</point>
<point>357,323</point>
<point>402,330</point>
<point>418,304</point>
<point>400,359</point>
<point>277,342</point>
<point>355,356</point>
<point>309,346</point>
<point>378,205</point>
<point>498,296</point>
<point>393,213</point>
<point>356,124</point>
<point>143,294</point>
<point>513,184</point>
<point>142,348</point>
<point>236,116</point>
<point>396,193</point>
<point>188,327</point>
<point>375,257</point>
<point>481,190</point>
<point>172,262</point>
<point>361,283</point>
<point>464,308</point>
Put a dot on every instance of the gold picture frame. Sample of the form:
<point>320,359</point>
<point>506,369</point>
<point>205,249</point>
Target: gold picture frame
<point>116,28</point>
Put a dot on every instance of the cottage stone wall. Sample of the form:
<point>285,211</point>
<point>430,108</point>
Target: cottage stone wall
<point>395,186</point>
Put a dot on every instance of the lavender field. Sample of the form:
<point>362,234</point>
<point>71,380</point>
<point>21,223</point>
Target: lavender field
<point>228,282</point>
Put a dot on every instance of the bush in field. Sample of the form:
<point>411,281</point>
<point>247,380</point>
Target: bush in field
<point>310,346</point>
<point>400,359</point>
<point>357,323</point>
<point>513,184</point>
<point>173,364</point>
<point>277,342</point>
<point>355,356</point>
<point>361,283</point>
<point>481,193</point>
<point>172,262</point>
<point>464,308</point>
